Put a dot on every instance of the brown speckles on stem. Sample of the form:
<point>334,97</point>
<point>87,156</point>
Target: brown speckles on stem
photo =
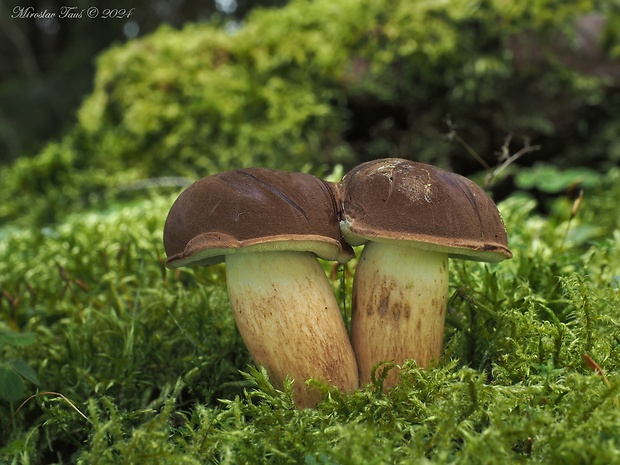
<point>384,305</point>
<point>294,329</point>
<point>398,309</point>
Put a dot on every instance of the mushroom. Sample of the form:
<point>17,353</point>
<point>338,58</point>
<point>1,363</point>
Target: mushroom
<point>411,217</point>
<point>269,226</point>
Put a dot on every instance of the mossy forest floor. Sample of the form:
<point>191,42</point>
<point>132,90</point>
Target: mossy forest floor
<point>136,364</point>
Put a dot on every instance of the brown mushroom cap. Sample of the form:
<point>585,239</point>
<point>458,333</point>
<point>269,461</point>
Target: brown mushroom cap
<point>397,199</point>
<point>253,209</point>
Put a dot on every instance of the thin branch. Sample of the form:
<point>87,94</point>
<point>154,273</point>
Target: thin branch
<point>46,393</point>
<point>573,213</point>
<point>504,154</point>
<point>452,135</point>
<point>596,368</point>
<point>504,158</point>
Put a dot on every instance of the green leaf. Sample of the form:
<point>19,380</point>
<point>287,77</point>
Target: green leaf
<point>551,179</point>
<point>24,370</point>
<point>11,385</point>
<point>16,339</point>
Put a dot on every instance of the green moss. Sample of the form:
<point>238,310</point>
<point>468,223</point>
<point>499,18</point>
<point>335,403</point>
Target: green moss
<point>153,359</point>
<point>152,356</point>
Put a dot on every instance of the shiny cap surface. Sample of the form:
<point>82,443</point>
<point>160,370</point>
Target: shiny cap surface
<point>251,210</point>
<point>395,199</point>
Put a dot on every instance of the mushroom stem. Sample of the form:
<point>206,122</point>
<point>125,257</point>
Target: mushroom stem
<point>400,295</point>
<point>289,319</point>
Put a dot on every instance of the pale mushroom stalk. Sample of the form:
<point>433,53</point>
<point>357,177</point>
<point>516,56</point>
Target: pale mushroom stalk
<point>290,321</point>
<point>399,301</point>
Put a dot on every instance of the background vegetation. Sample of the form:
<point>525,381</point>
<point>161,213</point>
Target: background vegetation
<point>134,363</point>
<point>47,65</point>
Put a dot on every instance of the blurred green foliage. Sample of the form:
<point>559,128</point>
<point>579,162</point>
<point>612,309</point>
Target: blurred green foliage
<point>317,83</point>
<point>555,180</point>
<point>48,67</point>
<point>14,371</point>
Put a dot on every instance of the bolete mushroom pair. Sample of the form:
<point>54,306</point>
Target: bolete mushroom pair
<point>269,226</point>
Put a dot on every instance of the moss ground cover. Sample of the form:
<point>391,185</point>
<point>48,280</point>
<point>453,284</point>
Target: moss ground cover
<point>152,359</point>
<point>107,357</point>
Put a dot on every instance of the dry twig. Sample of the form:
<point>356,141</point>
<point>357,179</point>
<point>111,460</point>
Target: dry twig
<point>46,393</point>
